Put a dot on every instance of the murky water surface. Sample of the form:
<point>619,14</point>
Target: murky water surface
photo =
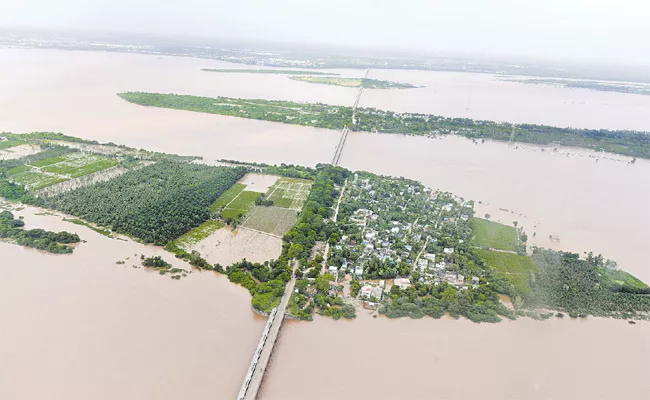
<point>83,327</point>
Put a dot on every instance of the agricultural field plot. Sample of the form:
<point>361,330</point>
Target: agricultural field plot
<point>274,220</point>
<point>227,197</point>
<point>77,164</point>
<point>34,180</point>
<point>515,268</point>
<point>289,193</point>
<point>44,173</point>
<point>494,235</point>
<point>240,205</point>
<point>199,233</point>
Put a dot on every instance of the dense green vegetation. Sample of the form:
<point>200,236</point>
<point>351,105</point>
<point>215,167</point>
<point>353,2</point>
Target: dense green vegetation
<point>631,143</point>
<point>354,82</point>
<point>53,242</point>
<point>585,287</point>
<point>480,304</point>
<point>265,281</point>
<point>494,235</point>
<point>267,71</point>
<point>156,203</point>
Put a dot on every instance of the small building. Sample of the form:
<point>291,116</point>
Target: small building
<point>402,283</point>
<point>448,250</point>
<point>358,271</point>
<point>475,280</point>
<point>431,257</point>
<point>333,270</point>
<point>366,291</point>
<point>377,292</point>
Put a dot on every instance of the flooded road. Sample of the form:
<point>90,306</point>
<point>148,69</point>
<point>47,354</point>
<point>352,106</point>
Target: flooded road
<point>88,328</point>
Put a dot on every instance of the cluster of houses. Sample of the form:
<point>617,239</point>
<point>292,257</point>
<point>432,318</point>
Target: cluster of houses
<point>399,240</point>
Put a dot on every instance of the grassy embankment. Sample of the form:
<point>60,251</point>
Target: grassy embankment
<point>631,143</point>
<point>101,231</point>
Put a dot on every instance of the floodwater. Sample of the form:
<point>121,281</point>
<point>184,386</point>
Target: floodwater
<point>226,247</point>
<point>81,326</point>
<point>590,201</point>
<point>446,359</point>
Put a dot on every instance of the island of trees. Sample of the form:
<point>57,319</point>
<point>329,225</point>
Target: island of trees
<point>355,82</point>
<point>53,242</point>
<point>395,246</point>
<point>267,71</point>
<point>630,143</point>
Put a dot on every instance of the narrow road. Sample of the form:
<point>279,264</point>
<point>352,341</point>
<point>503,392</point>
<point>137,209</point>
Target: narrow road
<point>334,217</point>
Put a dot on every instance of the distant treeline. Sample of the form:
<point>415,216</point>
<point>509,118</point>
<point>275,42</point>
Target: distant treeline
<point>630,143</point>
<point>267,71</point>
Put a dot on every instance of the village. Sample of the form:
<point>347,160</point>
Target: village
<point>396,232</point>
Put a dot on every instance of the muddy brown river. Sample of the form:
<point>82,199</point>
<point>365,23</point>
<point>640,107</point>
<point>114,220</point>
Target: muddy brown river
<point>80,326</point>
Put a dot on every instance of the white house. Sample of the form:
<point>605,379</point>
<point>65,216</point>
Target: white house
<point>402,283</point>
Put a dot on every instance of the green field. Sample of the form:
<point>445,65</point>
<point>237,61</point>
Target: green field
<point>615,279</point>
<point>77,167</point>
<point>515,268</point>
<point>289,193</point>
<point>43,173</point>
<point>199,233</point>
<point>493,235</point>
<point>34,180</point>
<point>48,161</point>
<point>274,220</point>
<point>240,205</point>
<point>227,197</point>
<point>5,144</point>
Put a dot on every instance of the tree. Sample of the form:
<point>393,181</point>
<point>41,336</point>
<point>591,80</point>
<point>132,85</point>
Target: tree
<point>323,283</point>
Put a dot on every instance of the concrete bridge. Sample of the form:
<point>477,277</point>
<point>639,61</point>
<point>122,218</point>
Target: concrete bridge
<point>262,355</point>
<point>345,131</point>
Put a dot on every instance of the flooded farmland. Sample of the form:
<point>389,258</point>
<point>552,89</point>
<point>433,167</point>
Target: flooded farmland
<point>88,328</point>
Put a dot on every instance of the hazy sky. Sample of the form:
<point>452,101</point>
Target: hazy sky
<point>610,30</point>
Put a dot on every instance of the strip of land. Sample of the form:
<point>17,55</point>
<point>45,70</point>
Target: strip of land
<point>266,71</point>
<point>354,82</point>
<point>630,143</point>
